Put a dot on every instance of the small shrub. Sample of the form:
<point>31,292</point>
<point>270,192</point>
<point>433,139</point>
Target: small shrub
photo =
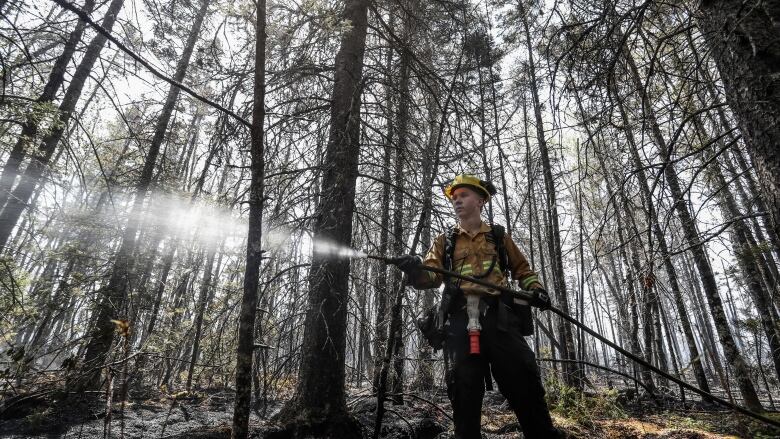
<point>581,407</point>
<point>37,419</point>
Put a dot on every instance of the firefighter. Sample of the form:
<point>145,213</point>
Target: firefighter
<point>476,249</point>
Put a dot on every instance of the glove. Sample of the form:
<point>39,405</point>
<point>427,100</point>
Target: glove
<point>540,299</point>
<point>409,264</point>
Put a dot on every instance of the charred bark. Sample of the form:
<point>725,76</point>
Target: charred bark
<point>254,253</point>
<point>743,38</point>
<point>380,269</point>
<point>318,407</point>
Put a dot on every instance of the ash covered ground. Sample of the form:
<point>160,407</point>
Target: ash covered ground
<point>209,415</point>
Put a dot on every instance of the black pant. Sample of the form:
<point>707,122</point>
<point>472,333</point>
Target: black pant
<point>514,368</point>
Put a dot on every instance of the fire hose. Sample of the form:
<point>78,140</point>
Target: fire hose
<point>527,295</point>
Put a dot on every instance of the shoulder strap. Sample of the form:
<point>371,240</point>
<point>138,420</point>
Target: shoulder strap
<point>498,233</point>
<point>449,251</point>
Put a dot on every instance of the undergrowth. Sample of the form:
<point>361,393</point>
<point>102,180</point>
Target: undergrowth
<point>587,409</point>
<point>583,408</point>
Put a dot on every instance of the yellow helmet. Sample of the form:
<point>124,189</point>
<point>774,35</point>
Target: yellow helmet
<point>486,188</point>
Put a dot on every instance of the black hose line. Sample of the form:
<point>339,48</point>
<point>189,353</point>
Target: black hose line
<point>678,381</point>
<point>527,295</point>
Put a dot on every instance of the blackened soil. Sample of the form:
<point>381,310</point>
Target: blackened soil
<point>208,414</point>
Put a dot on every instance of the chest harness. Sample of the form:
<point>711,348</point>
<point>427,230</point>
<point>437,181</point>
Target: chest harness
<point>495,237</point>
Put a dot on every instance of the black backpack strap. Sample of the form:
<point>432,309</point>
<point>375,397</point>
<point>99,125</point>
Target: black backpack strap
<point>449,252</point>
<point>452,292</point>
<point>522,311</point>
<point>497,233</point>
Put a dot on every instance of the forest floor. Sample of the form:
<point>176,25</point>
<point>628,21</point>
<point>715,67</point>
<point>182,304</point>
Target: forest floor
<point>209,414</point>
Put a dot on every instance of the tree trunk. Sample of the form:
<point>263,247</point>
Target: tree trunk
<point>573,374</point>
<point>318,406</point>
<point>380,268</point>
<point>765,258</point>
<point>364,360</point>
<point>246,323</point>
<point>742,35</point>
<point>581,346</point>
<point>396,327</point>
<point>202,304</point>
<point>402,151</point>
<point>425,371</point>
<point>632,329</point>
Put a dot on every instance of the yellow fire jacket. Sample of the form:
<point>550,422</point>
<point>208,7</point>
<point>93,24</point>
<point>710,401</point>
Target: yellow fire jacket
<point>473,256</point>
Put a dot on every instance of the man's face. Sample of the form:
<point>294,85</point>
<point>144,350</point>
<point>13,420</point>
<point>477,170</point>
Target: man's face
<point>466,202</point>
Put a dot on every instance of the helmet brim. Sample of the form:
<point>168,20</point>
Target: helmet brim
<point>450,189</point>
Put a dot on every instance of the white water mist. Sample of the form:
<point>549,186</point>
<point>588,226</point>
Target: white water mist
<point>333,250</point>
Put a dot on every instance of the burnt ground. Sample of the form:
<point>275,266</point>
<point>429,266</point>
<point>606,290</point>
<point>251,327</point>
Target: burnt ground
<point>209,414</point>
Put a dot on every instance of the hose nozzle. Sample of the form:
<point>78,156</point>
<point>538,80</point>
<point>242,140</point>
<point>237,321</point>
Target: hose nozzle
<point>472,310</point>
<point>386,260</point>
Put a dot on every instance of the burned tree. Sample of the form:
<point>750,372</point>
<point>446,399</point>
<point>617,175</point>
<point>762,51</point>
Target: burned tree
<point>319,405</point>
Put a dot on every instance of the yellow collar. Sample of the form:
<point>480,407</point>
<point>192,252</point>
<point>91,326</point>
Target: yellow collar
<point>483,228</point>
